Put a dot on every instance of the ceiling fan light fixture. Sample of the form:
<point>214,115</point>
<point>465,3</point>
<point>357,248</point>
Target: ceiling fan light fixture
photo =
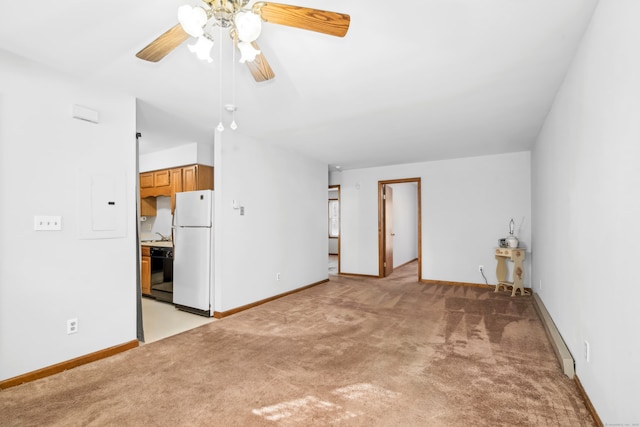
<point>244,23</point>
<point>248,25</point>
<point>192,19</point>
<point>248,53</point>
<point>202,48</point>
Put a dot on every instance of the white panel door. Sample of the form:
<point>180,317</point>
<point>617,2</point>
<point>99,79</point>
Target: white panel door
<point>192,263</point>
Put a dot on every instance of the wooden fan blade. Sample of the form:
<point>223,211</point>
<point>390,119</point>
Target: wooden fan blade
<point>321,21</point>
<point>259,67</point>
<point>163,45</point>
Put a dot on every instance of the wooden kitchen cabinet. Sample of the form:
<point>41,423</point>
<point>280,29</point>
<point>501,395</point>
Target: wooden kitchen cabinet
<point>162,183</point>
<point>155,183</point>
<point>168,182</point>
<point>146,180</point>
<point>176,183</point>
<point>191,178</point>
<point>148,206</point>
<point>197,177</point>
<point>145,271</point>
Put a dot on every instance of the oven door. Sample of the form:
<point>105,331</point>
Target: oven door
<point>162,273</point>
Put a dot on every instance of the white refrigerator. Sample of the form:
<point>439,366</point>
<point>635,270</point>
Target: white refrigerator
<point>193,252</point>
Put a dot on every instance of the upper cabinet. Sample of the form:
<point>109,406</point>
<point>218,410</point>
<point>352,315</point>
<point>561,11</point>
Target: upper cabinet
<point>191,178</point>
<point>146,180</point>
<point>156,183</point>
<point>148,206</point>
<point>168,182</point>
<point>197,177</point>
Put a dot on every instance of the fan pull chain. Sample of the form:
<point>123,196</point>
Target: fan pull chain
<point>233,124</point>
<point>220,126</point>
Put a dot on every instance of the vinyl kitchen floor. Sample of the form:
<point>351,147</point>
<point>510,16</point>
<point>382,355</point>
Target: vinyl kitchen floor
<point>161,320</point>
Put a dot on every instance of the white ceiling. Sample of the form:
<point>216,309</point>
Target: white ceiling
<point>411,81</point>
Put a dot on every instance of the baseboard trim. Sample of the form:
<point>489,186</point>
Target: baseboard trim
<point>471,285</point>
<point>443,282</point>
<point>66,365</point>
<point>221,314</point>
<point>559,347</point>
<point>370,276</point>
<point>587,402</point>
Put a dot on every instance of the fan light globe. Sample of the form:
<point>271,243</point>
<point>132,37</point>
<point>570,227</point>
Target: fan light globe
<point>247,52</point>
<point>202,48</point>
<point>248,25</point>
<point>192,19</point>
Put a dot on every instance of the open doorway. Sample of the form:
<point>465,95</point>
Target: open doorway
<point>157,316</point>
<point>399,224</point>
<point>334,229</point>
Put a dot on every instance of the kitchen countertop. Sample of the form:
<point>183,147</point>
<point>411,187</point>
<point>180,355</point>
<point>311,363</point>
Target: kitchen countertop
<point>157,243</point>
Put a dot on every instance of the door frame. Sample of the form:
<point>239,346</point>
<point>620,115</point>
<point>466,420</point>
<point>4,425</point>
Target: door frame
<point>381,222</point>
<point>337,187</point>
<point>388,241</point>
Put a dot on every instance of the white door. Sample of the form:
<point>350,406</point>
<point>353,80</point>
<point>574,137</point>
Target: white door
<point>192,263</point>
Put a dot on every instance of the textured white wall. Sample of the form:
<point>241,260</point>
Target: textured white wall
<point>187,154</point>
<point>466,207</point>
<point>49,277</point>
<point>284,228</point>
<point>586,208</point>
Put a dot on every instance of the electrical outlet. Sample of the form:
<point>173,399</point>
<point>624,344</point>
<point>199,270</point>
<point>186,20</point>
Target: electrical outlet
<point>587,351</point>
<point>540,286</point>
<point>72,326</point>
<point>277,276</point>
<point>481,268</point>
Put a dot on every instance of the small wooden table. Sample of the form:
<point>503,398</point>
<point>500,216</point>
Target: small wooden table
<point>517,256</point>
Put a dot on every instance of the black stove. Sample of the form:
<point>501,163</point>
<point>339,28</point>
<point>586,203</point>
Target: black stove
<point>162,273</point>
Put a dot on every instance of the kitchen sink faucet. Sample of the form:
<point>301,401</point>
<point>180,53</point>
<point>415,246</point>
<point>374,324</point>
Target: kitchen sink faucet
<point>163,237</point>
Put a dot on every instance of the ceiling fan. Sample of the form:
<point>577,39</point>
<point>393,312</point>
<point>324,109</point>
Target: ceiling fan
<point>244,24</point>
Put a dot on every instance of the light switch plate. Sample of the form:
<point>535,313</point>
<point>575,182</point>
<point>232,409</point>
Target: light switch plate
<point>47,223</point>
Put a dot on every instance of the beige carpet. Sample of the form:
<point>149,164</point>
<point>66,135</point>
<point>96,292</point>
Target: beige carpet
<point>351,352</point>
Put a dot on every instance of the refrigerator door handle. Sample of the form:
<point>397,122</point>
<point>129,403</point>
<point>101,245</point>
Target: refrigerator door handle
<point>173,227</point>
<point>173,239</point>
